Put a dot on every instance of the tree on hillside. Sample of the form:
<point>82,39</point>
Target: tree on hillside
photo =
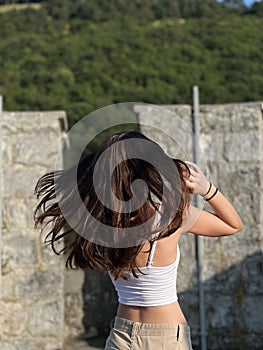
<point>12,2</point>
<point>256,9</point>
<point>82,55</point>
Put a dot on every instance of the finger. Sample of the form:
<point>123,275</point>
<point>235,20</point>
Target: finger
<point>194,167</point>
<point>185,173</point>
<point>191,178</point>
<point>193,173</point>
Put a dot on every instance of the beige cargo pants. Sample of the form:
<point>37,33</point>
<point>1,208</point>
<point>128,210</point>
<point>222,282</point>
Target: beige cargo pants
<point>129,335</point>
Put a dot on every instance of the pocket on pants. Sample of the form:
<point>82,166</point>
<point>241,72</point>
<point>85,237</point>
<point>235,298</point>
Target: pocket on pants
<point>118,340</point>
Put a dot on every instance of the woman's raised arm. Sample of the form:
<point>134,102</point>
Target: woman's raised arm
<point>225,219</point>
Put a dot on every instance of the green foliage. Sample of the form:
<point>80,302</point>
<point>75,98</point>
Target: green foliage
<point>256,9</point>
<point>82,55</point>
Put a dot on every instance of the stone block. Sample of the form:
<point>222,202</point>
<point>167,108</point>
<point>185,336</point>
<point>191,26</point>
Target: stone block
<point>237,247</point>
<point>187,277</point>
<point>248,207</point>
<point>37,284</point>
<point>99,308</point>
<point>14,123</point>
<point>246,117</point>
<point>242,147</point>
<point>47,256</point>
<point>252,272</point>
<point>225,282</point>
<point>73,280</point>
<point>2,312</point>
<point>32,344</point>
<point>227,267</point>
<point>73,326</point>
<point>173,134</point>
<point>31,203</point>
<point>8,284</point>
<point>19,251</point>
<point>15,319</point>
<point>230,339</point>
<point>215,118</point>
<point>190,305</point>
<point>7,154</point>
<point>23,180</point>
<point>235,178</point>
<point>26,151</point>
<point>176,144</point>
<point>184,112</point>
<point>253,312</point>
<point>220,311</point>
<point>229,117</point>
<point>163,113</point>
<point>213,263</point>
<point>46,318</point>
<point>244,243</point>
<point>211,171</point>
<point>15,212</point>
<point>6,345</point>
<point>212,146</point>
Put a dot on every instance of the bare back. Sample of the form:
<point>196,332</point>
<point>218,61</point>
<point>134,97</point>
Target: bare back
<point>165,254</point>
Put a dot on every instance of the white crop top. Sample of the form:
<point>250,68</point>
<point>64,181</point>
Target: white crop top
<point>157,286</point>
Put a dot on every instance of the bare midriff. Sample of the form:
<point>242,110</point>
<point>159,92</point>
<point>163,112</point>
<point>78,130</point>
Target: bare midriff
<point>163,314</point>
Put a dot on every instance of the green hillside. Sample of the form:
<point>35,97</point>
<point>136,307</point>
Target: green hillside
<point>87,54</point>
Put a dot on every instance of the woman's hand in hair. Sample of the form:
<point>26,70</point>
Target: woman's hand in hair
<point>225,219</point>
<point>196,182</point>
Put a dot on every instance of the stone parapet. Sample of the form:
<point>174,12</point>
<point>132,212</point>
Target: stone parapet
<point>32,278</point>
<point>42,304</point>
<point>231,144</point>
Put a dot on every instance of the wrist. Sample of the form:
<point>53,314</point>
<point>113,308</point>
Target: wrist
<point>211,194</point>
<point>209,187</point>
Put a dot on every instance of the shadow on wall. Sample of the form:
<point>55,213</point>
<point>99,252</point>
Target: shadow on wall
<point>234,307</point>
<point>100,306</point>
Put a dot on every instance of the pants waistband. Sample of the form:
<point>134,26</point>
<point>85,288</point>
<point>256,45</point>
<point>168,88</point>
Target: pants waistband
<point>131,327</point>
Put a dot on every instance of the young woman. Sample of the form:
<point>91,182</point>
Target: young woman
<point>142,263</point>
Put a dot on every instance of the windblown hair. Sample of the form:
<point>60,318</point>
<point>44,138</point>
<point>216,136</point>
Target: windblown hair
<point>59,189</point>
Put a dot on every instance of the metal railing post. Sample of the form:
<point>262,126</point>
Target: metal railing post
<point>199,242</point>
<point>1,187</point>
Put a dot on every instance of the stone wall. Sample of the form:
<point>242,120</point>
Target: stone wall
<point>231,145</point>
<point>41,304</point>
<point>32,294</point>
<point>231,141</point>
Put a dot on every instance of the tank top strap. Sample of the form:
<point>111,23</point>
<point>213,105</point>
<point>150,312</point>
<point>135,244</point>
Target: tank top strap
<point>150,259</point>
<point>151,254</point>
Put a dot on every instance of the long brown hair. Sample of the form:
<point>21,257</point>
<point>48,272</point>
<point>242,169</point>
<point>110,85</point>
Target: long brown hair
<point>59,187</point>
